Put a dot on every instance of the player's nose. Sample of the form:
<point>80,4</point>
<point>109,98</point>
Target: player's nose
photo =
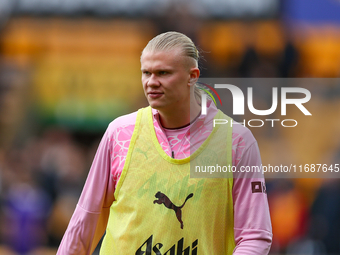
<point>153,81</point>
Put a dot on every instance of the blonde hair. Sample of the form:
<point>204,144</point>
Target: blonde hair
<point>171,40</point>
<point>175,40</point>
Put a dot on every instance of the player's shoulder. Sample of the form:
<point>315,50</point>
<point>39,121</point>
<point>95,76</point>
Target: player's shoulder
<point>244,144</point>
<point>124,121</point>
<point>242,133</point>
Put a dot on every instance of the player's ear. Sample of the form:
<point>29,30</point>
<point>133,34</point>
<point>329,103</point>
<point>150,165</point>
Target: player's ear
<point>194,75</point>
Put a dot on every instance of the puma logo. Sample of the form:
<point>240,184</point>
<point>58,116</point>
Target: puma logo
<point>163,199</point>
<point>143,152</point>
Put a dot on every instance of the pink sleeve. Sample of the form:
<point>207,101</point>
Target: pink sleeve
<point>252,225</point>
<point>89,219</point>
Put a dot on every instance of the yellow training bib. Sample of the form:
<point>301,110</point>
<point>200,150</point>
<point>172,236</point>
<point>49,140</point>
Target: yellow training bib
<point>160,210</point>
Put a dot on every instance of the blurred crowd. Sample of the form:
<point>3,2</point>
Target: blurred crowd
<point>43,167</point>
<point>41,180</point>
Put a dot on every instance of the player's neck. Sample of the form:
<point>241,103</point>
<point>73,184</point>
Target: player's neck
<point>180,117</point>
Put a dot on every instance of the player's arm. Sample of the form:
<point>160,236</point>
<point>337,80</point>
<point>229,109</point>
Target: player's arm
<point>90,217</point>
<point>252,225</point>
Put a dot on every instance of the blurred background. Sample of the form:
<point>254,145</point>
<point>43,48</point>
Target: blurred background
<point>68,68</point>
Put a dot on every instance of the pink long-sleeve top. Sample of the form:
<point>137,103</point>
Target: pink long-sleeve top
<point>252,225</point>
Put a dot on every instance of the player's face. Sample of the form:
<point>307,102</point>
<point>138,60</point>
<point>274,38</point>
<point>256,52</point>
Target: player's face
<point>166,79</point>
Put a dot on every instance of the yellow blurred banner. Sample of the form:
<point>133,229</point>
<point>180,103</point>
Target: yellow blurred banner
<point>84,72</point>
<point>73,88</point>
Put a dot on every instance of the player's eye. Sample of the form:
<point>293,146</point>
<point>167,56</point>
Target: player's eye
<point>146,72</point>
<point>163,72</point>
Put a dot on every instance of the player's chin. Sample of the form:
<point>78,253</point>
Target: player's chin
<point>154,103</point>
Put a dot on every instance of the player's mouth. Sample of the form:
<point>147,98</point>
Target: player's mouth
<point>154,94</point>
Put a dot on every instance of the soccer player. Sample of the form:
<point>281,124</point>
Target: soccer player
<point>139,191</point>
